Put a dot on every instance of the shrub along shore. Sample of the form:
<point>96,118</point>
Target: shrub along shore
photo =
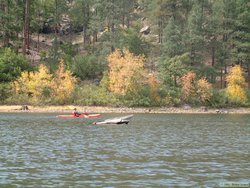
<point>101,109</point>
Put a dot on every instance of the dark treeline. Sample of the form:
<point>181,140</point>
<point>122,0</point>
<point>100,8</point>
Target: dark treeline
<point>189,49</point>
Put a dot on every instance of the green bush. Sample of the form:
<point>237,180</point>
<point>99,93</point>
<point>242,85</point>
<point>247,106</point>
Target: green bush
<point>86,67</point>
<point>94,95</point>
<point>138,98</point>
<point>134,42</point>
<point>171,96</point>
<point>5,92</point>
<point>138,102</point>
<point>248,98</point>
<point>21,99</point>
<point>12,64</point>
<point>219,99</point>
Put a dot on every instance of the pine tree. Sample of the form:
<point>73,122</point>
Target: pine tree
<point>194,38</point>
<point>241,36</point>
<point>172,44</point>
<point>10,22</point>
<point>26,25</point>
<point>172,70</point>
<point>81,15</point>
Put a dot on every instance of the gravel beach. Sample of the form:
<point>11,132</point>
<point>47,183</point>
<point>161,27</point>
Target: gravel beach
<point>100,109</point>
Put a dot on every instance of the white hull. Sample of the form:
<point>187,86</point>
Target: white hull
<point>117,120</point>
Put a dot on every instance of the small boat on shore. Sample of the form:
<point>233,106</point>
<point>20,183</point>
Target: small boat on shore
<point>84,115</point>
<point>116,120</point>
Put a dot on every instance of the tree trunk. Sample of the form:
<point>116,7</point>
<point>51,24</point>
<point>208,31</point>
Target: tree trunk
<point>128,22</point>
<point>248,75</point>
<point>123,20</point>
<point>160,30</point>
<point>221,78</point>
<point>213,60</point>
<point>225,73</point>
<point>86,17</point>
<point>26,26</point>
<point>6,37</point>
<point>38,41</point>
<point>95,37</point>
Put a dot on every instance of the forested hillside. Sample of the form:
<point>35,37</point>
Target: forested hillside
<point>125,52</point>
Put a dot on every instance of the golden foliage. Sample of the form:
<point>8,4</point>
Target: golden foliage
<point>204,90</point>
<point>154,88</point>
<point>236,85</point>
<point>63,84</point>
<point>41,84</point>
<point>194,89</point>
<point>34,83</point>
<point>20,86</point>
<point>188,85</point>
<point>126,72</point>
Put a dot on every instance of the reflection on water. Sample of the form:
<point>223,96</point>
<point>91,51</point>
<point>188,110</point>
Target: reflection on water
<point>154,150</point>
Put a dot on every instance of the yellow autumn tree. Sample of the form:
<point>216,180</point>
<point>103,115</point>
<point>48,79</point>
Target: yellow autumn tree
<point>126,72</point>
<point>153,88</point>
<point>35,84</point>
<point>195,90</point>
<point>40,83</point>
<point>204,90</point>
<point>236,86</point>
<point>63,84</point>
<point>20,86</point>
<point>188,86</point>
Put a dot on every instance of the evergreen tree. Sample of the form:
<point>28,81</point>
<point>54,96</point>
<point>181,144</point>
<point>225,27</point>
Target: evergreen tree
<point>241,36</point>
<point>59,9</point>
<point>10,22</point>
<point>171,70</point>
<point>80,15</point>
<point>226,28</point>
<point>26,25</point>
<point>172,43</point>
<point>194,38</point>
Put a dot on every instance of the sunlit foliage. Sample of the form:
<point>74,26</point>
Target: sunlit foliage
<point>196,90</point>
<point>63,84</point>
<point>35,84</point>
<point>236,85</point>
<point>154,86</point>
<point>188,86</point>
<point>41,85</point>
<point>204,90</point>
<point>126,72</point>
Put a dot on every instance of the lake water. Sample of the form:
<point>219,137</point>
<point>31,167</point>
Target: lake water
<point>153,150</point>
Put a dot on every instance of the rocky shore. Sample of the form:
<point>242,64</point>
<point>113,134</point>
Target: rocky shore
<point>100,109</point>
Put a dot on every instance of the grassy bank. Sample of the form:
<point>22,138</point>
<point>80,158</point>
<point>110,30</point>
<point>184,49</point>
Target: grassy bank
<point>99,109</point>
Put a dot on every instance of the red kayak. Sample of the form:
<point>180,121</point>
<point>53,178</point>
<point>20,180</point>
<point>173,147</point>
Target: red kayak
<point>80,116</point>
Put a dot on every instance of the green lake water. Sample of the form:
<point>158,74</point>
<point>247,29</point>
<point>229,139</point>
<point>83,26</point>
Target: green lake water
<point>153,150</point>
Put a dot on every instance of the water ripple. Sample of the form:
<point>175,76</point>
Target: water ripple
<point>155,150</point>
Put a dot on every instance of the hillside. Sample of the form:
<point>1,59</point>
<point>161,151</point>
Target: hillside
<point>177,39</point>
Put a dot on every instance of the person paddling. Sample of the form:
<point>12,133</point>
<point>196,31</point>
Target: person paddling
<point>76,113</point>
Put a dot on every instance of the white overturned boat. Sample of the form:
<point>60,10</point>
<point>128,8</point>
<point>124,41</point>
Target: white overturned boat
<point>116,120</point>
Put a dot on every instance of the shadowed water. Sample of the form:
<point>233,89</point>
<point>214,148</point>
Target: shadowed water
<point>154,150</point>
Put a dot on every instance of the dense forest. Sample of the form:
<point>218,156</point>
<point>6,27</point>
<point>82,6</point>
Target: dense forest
<point>125,52</point>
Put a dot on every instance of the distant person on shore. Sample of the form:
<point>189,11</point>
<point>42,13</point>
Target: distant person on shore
<point>25,108</point>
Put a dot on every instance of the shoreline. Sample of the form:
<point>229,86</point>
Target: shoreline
<point>102,109</point>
